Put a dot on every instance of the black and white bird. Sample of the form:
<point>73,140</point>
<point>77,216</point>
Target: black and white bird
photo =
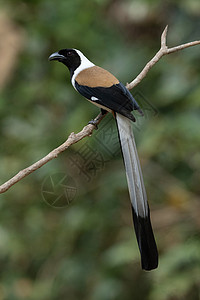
<point>104,90</point>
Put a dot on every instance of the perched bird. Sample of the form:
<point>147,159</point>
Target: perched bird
<point>103,89</point>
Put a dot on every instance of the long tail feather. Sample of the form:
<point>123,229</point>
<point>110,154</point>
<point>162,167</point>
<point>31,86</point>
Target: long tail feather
<point>140,208</point>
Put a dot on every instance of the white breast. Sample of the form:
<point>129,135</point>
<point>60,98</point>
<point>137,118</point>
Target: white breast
<point>85,64</point>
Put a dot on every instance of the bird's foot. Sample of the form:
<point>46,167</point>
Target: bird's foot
<point>94,122</point>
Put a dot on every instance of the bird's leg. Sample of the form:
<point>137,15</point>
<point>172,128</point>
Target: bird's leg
<point>98,119</point>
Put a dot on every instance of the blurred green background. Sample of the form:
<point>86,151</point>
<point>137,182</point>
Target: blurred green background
<point>87,249</point>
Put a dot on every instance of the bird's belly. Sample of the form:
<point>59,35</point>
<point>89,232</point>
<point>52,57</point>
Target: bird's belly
<point>101,106</point>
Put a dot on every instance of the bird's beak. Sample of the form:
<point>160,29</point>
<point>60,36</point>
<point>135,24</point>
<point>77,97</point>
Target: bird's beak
<point>56,56</point>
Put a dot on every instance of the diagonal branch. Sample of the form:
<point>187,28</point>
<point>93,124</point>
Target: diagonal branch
<point>87,130</point>
<point>72,139</point>
<point>164,50</point>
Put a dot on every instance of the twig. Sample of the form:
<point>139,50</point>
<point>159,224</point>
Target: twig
<point>164,50</point>
<point>72,139</point>
<point>87,130</point>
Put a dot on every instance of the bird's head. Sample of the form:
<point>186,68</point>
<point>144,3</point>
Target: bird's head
<point>72,58</point>
<point>68,57</point>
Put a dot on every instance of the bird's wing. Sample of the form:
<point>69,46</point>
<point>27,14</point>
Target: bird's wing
<point>114,98</point>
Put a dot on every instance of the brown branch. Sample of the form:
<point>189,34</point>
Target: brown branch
<point>72,139</point>
<point>87,130</point>
<point>164,50</point>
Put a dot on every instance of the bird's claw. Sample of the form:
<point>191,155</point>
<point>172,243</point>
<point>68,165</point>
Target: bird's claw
<point>93,122</point>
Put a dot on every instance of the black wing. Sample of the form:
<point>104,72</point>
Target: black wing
<point>116,98</point>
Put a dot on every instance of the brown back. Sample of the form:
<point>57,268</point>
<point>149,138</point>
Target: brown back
<point>96,77</point>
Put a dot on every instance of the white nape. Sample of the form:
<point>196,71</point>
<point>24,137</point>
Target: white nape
<point>85,64</point>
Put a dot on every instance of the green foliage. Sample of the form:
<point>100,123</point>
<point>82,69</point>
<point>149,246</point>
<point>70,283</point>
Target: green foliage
<point>87,249</point>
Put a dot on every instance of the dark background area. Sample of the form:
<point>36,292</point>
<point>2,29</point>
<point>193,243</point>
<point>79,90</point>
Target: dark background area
<point>66,230</point>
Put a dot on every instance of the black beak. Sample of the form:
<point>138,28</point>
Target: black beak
<point>56,56</point>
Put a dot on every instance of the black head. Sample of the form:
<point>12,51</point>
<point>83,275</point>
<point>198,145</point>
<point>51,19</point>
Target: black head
<point>68,57</point>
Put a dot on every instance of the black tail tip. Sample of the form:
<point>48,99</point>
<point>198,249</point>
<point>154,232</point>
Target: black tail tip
<point>146,242</point>
<point>150,264</point>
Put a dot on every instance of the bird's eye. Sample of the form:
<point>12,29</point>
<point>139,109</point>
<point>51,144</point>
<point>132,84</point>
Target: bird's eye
<point>69,53</point>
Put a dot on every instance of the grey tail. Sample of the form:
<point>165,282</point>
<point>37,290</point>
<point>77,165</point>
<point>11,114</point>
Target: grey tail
<point>140,208</point>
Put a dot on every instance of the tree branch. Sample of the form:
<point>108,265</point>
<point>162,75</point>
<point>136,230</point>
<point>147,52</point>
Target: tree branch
<point>72,139</point>
<point>87,130</point>
<point>164,50</point>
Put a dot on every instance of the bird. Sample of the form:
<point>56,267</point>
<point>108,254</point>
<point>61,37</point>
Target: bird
<point>105,91</point>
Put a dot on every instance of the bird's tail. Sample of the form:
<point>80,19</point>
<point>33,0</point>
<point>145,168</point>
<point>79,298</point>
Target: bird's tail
<point>140,208</point>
